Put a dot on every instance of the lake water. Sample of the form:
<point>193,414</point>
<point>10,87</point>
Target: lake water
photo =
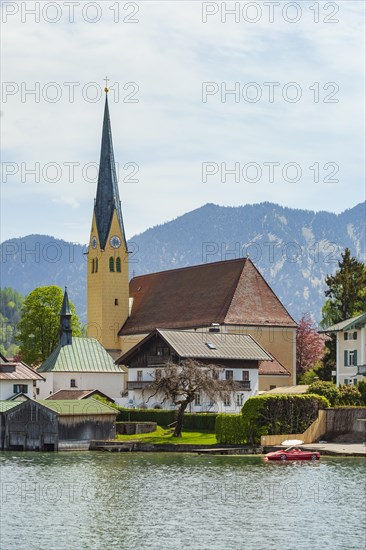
<point>171,501</point>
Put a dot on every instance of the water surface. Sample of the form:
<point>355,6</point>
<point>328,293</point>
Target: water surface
<point>171,501</point>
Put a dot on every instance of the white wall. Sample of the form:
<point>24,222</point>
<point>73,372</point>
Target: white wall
<point>137,398</point>
<point>349,373</point>
<point>7,388</point>
<point>110,383</point>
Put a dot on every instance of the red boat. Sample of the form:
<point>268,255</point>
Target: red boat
<point>292,453</point>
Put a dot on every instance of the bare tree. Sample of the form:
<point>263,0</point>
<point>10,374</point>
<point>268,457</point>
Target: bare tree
<point>179,383</point>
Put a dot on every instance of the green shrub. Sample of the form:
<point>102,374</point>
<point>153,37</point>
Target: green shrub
<point>160,416</point>
<point>349,395</point>
<point>229,429</point>
<point>191,421</point>
<point>199,422</point>
<point>361,386</point>
<point>280,414</point>
<point>326,389</point>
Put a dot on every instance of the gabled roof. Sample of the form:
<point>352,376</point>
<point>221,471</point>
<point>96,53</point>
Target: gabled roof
<point>231,292</point>
<point>17,370</point>
<point>83,355</point>
<point>64,395</point>
<point>348,324</point>
<point>76,407</point>
<point>7,405</point>
<point>206,345</point>
<point>272,368</point>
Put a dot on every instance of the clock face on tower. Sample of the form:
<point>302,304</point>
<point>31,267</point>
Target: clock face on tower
<point>115,241</point>
<point>94,242</point>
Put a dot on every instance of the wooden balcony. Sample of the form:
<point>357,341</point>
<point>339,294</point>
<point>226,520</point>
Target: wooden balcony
<point>243,385</point>
<point>137,384</point>
<point>361,369</point>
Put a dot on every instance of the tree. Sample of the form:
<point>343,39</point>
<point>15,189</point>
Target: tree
<point>180,383</point>
<point>346,291</point>
<point>38,328</point>
<point>10,312</point>
<point>309,345</point>
<point>346,298</point>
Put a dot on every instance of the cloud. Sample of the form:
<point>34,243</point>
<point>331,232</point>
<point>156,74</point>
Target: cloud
<point>170,132</point>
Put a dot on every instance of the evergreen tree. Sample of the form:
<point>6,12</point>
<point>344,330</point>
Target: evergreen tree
<point>346,291</point>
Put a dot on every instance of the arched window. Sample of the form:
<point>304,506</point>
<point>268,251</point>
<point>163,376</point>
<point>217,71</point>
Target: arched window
<point>96,265</point>
<point>118,265</point>
<point>111,264</point>
<point>93,266</point>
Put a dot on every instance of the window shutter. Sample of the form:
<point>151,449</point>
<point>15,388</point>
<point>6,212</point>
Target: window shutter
<point>355,358</point>
<point>355,335</point>
<point>345,358</point>
<point>345,335</point>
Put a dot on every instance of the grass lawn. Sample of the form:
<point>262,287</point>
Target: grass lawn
<point>162,435</point>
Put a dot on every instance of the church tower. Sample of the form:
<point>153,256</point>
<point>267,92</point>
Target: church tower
<point>108,285</point>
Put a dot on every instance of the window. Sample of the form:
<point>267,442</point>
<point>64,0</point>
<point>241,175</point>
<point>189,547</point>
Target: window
<point>210,345</point>
<point>116,301</point>
<point>162,351</point>
<point>139,376</point>
<point>272,387</point>
<point>239,399</point>
<point>350,358</point>
<point>73,383</point>
<point>93,265</point>
<point>20,388</point>
<point>350,335</point>
<point>118,265</point>
<point>111,264</point>
<point>227,400</point>
<point>229,375</point>
<point>197,399</point>
<point>245,376</point>
<point>215,374</point>
<point>96,265</point>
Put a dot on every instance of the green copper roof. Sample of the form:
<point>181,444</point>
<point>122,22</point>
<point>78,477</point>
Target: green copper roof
<point>7,405</point>
<point>107,200</point>
<point>348,324</point>
<point>82,355</point>
<point>75,407</point>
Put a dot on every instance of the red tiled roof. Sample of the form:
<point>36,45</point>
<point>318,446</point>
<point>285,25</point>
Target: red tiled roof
<point>75,394</point>
<point>232,292</point>
<point>272,368</point>
<point>10,370</point>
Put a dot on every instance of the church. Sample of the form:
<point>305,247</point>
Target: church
<point>227,297</point>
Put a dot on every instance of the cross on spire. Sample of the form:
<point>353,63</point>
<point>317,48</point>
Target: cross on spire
<point>106,89</point>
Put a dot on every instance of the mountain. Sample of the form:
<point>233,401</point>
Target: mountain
<point>294,250</point>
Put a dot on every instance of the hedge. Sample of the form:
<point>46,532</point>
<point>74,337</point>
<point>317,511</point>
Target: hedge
<point>280,414</point>
<point>229,429</point>
<point>191,421</point>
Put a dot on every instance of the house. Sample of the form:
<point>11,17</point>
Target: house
<point>17,378</point>
<point>350,350</point>
<point>238,356</point>
<point>55,425</point>
<point>230,297</point>
<point>79,363</point>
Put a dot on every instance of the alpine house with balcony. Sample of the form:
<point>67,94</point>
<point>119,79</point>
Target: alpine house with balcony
<point>237,355</point>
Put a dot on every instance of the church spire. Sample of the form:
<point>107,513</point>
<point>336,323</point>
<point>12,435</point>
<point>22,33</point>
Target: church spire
<point>107,200</point>
<point>65,335</point>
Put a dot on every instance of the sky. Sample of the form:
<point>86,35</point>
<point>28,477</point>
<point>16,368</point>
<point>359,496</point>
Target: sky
<point>207,106</point>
